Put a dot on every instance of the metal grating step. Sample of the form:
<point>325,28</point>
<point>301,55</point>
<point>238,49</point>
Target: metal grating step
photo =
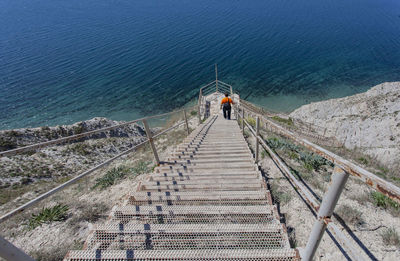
<point>186,236</point>
<point>208,202</point>
<point>185,255</point>
<point>182,214</point>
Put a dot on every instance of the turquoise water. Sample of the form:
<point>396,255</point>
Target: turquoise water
<point>65,61</point>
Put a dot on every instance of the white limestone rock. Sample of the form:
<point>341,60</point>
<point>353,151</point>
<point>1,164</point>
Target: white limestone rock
<point>369,121</point>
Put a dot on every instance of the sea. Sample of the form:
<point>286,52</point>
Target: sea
<point>63,61</point>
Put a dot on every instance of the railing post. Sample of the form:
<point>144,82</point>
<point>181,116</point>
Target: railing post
<point>186,122</point>
<point>150,137</point>
<point>242,120</point>
<point>257,133</point>
<point>10,252</point>
<point>338,181</point>
<point>199,105</point>
<point>216,77</point>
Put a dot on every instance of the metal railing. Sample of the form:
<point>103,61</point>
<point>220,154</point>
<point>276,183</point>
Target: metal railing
<point>341,172</point>
<point>7,249</point>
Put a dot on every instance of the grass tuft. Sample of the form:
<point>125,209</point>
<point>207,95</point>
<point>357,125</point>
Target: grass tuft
<point>350,215</point>
<point>391,237</point>
<point>47,215</point>
<point>119,173</point>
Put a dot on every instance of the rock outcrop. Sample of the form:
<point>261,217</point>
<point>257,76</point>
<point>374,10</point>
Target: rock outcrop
<point>367,121</point>
<point>63,160</point>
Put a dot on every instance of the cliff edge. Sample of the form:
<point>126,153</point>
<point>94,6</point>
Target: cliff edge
<point>368,121</point>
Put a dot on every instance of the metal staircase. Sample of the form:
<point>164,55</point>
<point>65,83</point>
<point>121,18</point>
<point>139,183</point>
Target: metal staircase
<point>208,201</point>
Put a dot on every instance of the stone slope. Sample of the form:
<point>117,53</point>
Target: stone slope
<point>369,121</point>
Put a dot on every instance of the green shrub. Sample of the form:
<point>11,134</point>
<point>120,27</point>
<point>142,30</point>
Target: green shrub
<point>312,161</point>
<point>282,120</point>
<point>112,176</point>
<point>193,113</point>
<point>47,215</point>
<point>383,201</point>
<point>251,121</point>
<point>116,174</point>
<point>391,237</point>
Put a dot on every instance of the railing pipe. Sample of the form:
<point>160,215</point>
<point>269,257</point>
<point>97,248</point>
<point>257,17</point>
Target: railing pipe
<point>150,138</point>
<point>256,137</point>
<point>369,178</point>
<point>309,199</point>
<point>243,120</point>
<point>12,253</point>
<point>186,122</point>
<point>77,136</point>
<point>339,179</point>
<point>199,105</point>
<point>216,77</point>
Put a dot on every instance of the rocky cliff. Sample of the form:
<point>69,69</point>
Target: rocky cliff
<point>367,121</point>
<point>63,160</point>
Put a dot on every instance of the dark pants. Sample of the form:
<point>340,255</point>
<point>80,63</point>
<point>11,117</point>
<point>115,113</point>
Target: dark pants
<point>227,111</point>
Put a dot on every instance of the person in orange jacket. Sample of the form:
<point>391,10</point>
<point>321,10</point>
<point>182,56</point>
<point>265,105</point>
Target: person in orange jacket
<point>226,106</point>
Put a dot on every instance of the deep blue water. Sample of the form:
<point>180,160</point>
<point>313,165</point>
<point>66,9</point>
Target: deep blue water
<point>67,60</point>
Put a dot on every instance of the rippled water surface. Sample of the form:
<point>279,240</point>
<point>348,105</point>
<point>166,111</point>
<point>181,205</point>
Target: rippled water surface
<point>63,61</point>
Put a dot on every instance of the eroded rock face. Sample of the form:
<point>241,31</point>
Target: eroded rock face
<point>369,121</point>
<point>10,139</point>
<point>66,159</point>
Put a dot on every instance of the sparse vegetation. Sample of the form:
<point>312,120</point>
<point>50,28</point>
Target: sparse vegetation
<point>47,215</point>
<point>119,173</point>
<point>112,176</point>
<point>80,128</point>
<point>350,215</point>
<point>380,200</point>
<point>288,121</point>
<point>263,154</point>
<point>391,237</point>
<point>363,160</point>
<point>251,121</point>
<point>6,144</point>
<point>278,195</point>
<point>81,149</point>
<point>193,113</point>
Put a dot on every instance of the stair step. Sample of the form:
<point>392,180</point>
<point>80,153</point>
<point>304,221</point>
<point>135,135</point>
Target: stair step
<point>202,187</point>
<point>195,161</point>
<point>253,197</point>
<point>186,236</point>
<point>206,167</point>
<point>183,214</point>
<point>185,255</point>
<point>221,172</point>
<point>215,177</point>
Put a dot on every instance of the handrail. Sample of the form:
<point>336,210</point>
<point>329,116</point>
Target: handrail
<point>80,176</point>
<point>369,178</point>
<point>307,197</point>
<point>81,135</point>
